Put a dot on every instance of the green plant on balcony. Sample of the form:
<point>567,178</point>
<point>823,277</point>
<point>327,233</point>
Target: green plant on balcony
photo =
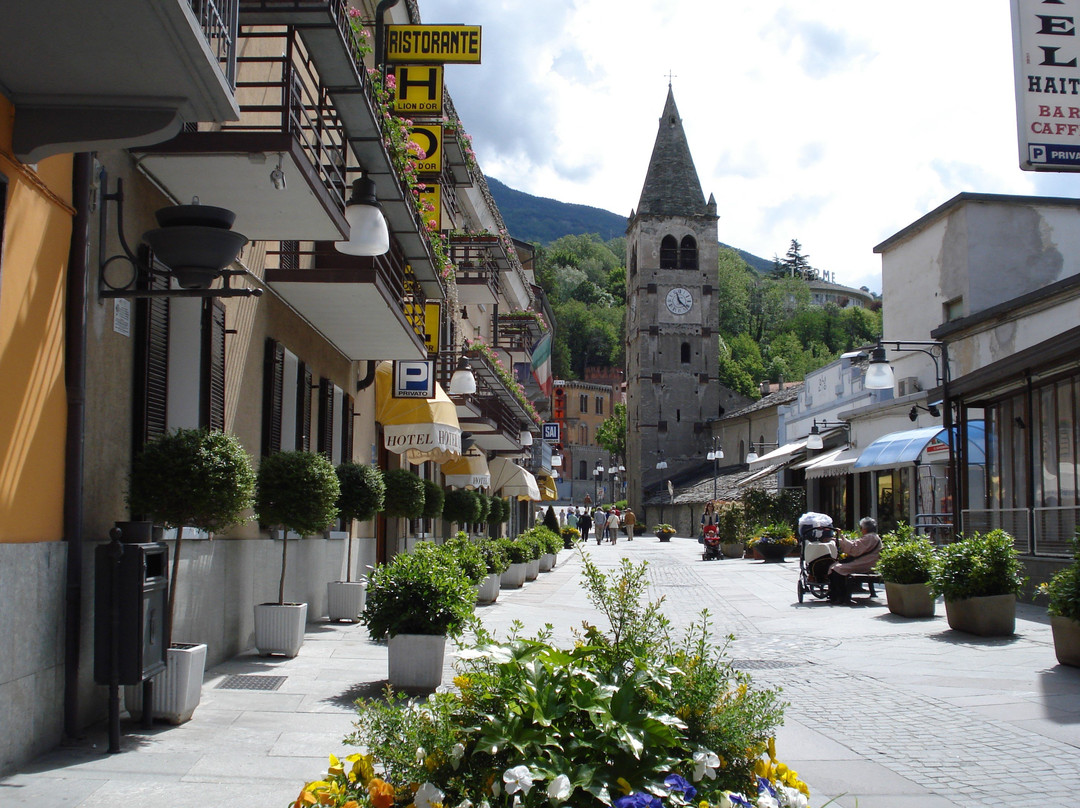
<point>361,43</point>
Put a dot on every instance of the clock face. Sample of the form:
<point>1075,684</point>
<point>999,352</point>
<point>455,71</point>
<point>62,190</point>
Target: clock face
<point>679,301</point>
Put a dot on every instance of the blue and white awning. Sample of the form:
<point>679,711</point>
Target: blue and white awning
<point>925,445</point>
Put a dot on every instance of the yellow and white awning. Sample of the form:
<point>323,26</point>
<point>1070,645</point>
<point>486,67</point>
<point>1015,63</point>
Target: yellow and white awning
<point>548,490</point>
<point>419,428</point>
<point>468,471</point>
<point>509,479</point>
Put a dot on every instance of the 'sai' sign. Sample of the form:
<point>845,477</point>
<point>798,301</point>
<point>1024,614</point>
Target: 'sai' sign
<point>414,379</point>
<point>551,432</point>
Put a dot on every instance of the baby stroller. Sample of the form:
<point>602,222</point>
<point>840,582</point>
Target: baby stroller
<point>711,540</point>
<point>817,552</point>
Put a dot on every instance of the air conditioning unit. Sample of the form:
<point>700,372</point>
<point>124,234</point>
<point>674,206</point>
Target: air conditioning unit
<point>909,385</point>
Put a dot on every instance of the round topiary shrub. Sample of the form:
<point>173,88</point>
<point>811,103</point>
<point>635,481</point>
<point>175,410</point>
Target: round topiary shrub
<point>461,507</point>
<point>404,494</point>
<point>434,498</point>
<point>362,491</point>
<point>500,511</point>
<point>484,509</point>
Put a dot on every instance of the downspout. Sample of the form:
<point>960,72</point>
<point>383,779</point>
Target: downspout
<point>380,33</point>
<point>75,387</point>
<point>369,376</point>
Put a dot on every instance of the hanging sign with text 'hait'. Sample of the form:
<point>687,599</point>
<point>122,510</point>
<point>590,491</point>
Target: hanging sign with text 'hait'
<point>1046,59</point>
<point>433,44</point>
<point>419,89</point>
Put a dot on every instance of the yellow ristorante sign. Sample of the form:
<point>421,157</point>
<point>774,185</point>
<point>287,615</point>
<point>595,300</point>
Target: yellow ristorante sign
<point>429,139</point>
<point>433,44</point>
<point>419,89</point>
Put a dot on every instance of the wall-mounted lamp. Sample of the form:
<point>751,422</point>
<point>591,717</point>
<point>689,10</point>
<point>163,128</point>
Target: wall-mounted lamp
<point>913,414</point>
<point>879,374</point>
<point>277,176</point>
<point>193,244</point>
<point>368,234</point>
<point>661,463</point>
<point>463,382</point>
<point>752,455</point>
<point>526,437</point>
<point>556,461</point>
<point>814,441</point>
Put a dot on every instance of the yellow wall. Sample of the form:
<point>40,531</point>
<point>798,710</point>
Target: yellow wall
<point>37,238</point>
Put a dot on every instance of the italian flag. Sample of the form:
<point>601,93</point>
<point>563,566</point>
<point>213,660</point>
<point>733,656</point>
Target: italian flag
<point>541,364</point>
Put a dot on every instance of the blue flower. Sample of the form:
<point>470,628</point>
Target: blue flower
<point>638,799</point>
<point>679,784</point>
<point>766,786</point>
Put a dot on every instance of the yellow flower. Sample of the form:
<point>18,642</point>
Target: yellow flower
<point>624,785</point>
<point>772,748</point>
<point>462,682</point>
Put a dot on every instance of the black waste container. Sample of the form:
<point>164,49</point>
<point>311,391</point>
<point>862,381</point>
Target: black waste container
<point>141,587</point>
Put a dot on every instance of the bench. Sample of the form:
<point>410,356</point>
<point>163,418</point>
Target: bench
<point>868,578</point>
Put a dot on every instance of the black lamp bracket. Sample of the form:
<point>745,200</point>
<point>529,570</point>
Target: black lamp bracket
<point>143,267</point>
<point>932,348</point>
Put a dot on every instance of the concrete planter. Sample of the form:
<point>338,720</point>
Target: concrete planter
<point>733,550</point>
<point>992,616</point>
<point>909,600</point>
<point>279,629</point>
<point>665,535</point>
<point>416,661</point>
<point>178,689</point>
<point>532,569</point>
<point>514,577</point>
<point>345,599</point>
<point>771,553</point>
<point>1066,640</point>
<point>547,562</point>
<point>488,589</point>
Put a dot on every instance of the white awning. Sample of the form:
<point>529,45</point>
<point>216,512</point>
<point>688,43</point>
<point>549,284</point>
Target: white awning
<point>831,464</point>
<point>757,475</point>
<point>468,471</point>
<point>509,479</point>
<point>779,455</point>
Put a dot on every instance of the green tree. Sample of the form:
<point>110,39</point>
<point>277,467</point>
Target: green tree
<point>611,434</point>
<point>735,280</point>
<point>794,264</point>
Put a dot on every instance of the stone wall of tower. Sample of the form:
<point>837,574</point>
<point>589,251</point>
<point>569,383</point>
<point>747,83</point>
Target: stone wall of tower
<point>669,401</point>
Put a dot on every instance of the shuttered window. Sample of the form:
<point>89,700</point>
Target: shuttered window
<point>213,365</point>
<point>347,429</point>
<point>273,385</point>
<point>151,365</point>
<point>303,408</point>
<point>326,418</point>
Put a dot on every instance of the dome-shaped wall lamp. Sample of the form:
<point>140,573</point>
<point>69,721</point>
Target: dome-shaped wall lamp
<point>463,382</point>
<point>368,234</point>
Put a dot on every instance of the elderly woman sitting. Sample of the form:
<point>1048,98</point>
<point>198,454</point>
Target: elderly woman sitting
<point>862,555</point>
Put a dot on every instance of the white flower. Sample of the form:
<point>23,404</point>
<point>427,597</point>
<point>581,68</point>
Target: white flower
<point>456,754</point>
<point>465,803</point>
<point>428,796</point>
<point>705,765</point>
<point>496,789</point>
<point>792,797</point>
<point>421,755</point>
<point>519,778</point>
<point>765,800</point>
<point>559,789</point>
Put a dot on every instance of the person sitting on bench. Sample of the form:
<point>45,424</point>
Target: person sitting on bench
<point>862,555</point>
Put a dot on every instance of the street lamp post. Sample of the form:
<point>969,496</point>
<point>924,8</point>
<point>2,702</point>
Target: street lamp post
<point>716,454</point>
<point>597,472</point>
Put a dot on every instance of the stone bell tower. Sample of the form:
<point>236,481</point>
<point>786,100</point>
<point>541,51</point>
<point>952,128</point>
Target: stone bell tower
<point>672,316</point>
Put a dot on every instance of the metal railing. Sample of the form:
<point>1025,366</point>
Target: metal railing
<point>1054,529</point>
<point>1015,521</point>
<point>219,20</point>
<point>474,263</point>
<point>288,97</point>
<point>938,527</point>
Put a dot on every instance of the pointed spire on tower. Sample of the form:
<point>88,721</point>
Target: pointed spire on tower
<point>671,185</point>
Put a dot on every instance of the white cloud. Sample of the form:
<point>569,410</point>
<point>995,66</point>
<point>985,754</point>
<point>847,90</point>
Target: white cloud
<point>837,123</point>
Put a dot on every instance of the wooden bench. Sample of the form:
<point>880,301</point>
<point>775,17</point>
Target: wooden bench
<point>868,578</point>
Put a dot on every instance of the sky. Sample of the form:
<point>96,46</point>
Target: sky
<point>834,122</point>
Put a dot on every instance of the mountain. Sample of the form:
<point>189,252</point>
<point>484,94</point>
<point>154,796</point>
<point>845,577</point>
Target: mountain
<point>538,219</point>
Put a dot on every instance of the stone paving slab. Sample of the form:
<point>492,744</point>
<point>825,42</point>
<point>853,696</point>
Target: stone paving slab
<point>884,712</point>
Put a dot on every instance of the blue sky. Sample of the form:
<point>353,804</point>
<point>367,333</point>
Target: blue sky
<point>834,122</point>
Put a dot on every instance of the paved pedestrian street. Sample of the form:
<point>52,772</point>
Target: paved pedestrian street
<point>884,712</point>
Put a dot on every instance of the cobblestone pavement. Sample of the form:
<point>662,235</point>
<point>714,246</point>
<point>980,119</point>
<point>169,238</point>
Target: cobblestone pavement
<point>884,712</point>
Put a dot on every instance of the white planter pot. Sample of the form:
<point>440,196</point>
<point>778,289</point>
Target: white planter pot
<point>909,600</point>
<point>177,689</point>
<point>992,616</point>
<point>416,661</point>
<point>733,549</point>
<point>547,562</point>
<point>1066,640</point>
<point>279,629</point>
<point>488,589</point>
<point>514,577</point>
<point>532,569</point>
<point>345,599</point>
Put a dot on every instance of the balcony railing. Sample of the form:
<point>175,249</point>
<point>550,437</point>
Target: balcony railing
<point>219,20</point>
<point>518,334</point>
<point>476,260</point>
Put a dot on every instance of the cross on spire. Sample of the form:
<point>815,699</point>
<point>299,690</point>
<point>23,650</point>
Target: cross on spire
<point>670,76</point>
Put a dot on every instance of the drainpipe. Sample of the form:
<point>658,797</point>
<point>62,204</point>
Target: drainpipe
<point>369,376</point>
<point>75,385</point>
<point>380,33</point>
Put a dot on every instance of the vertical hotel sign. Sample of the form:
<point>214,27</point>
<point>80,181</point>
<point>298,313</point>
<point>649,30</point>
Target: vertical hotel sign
<point>1046,58</point>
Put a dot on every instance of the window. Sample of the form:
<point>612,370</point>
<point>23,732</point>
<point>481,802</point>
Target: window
<point>583,434</point>
<point>688,253</point>
<point>583,470</point>
<point>583,403</point>
<point>599,405</point>
<point>669,253</point>
<point>954,309</point>
<point>685,353</point>
<point>633,260</point>
<point>286,401</point>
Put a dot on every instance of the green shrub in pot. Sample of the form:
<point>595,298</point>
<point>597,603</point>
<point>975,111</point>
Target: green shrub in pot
<point>517,551</point>
<point>494,555</point>
<point>980,565</point>
<point>1063,588</point>
<point>906,562</point>
<point>468,557</point>
<point>417,593</point>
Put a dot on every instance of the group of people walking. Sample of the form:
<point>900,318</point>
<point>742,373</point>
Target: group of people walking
<point>606,521</point>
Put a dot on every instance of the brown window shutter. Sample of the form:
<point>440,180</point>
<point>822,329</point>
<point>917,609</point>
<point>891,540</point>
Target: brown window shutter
<point>326,418</point>
<point>347,429</point>
<point>273,383</point>
<point>303,408</point>
<point>151,365</point>
<point>213,365</point>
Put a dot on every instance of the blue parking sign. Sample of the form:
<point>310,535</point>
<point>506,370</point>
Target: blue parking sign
<point>414,379</point>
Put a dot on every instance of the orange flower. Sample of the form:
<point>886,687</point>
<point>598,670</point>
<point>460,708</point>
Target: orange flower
<point>382,793</point>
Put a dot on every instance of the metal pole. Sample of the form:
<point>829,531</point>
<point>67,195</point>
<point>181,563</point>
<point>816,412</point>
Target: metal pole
<point>116,553</point>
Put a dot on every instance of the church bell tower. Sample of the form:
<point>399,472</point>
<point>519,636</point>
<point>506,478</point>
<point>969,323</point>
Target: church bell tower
<point>672,316</point>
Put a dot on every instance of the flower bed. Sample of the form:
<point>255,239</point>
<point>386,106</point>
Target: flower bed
<point>629,717</point>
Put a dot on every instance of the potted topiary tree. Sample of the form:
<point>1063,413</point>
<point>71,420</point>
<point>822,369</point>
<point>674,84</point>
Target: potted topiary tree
<point>518,553</point>
<point>906,566</point>
<point>500,512</point>
<point>979,577</point>
<point>295,491</point>
<point>484,508</point>
<point>1064,609</point>
<point>731,526</point>
<point>434,500</point>
<point>404,495</point>
<point>494,555</point>
<point>361,498</point>
<point>197,478</point>
<point>414,601</point>
<point>461,508</point>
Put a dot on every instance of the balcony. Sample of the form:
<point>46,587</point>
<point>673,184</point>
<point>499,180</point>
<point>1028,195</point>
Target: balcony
<point>518,332</point>
<point>370,308</point>
<point>118,74</point>
<point>478,262</point>
<point>493,413</point>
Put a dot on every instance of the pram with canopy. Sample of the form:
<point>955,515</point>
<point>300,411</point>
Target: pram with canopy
<point>817,552</point>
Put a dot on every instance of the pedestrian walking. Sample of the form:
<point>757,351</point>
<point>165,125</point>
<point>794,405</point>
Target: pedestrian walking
<point>629,520</point>
<point>613,525</point>
<point>572,517</point>
<point>584,522</point>
<point>562,518</point>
